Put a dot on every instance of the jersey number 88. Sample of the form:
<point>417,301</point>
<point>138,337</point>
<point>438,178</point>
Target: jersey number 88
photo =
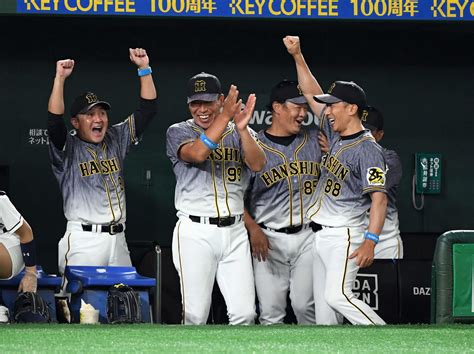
<point>332,187</point>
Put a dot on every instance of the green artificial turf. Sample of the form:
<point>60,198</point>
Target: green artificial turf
<point>229,339</point>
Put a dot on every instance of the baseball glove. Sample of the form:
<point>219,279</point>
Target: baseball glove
<point>123,305</point>
<point>30,308</point>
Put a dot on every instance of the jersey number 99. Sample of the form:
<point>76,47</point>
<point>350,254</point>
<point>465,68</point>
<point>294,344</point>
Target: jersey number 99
<point>234,174</point>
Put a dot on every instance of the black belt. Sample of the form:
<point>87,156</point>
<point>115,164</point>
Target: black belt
<point>292,229</point>
<point>111,229</point>
<point>220,222</point>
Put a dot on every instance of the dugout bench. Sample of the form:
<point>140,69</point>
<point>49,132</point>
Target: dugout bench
<point>47,286</point>
<point>91,284</point>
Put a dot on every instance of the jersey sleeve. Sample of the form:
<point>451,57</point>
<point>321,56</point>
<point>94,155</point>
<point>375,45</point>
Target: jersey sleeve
<point>58,156</point>
<point>372,168</point>
<point>12,219</point>
<point>57,130</point>
<point>144,114</point>
<point>125,133</point>
<point>177,135</point>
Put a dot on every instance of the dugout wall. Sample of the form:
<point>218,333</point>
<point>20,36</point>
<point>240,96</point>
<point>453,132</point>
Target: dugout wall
<point>411,71</point>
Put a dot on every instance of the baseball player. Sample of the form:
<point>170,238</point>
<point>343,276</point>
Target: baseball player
<point>277,199</point>
<point>208,153</point>
<point>17,250</point>
<point>390,244</point>
<point>88,164</point>
<point>352,180</point>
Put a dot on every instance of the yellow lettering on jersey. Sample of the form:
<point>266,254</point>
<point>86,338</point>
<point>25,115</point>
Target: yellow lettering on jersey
<point>293,168</point>
<point>84,170</point>
<point>333,165</point>
<point>113,165</point>
<point>225,154</point>
<point>266,179</point>
<point>284,170</point>
<point>104,167</point>
<point>280,172</point>
<point>94,168</point>
<point>304,167</point>
<point>276,175</point>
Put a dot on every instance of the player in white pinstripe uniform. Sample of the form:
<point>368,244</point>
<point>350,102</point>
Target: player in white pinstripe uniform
<point>390,245</point>
<point>88,164</point>
<point>17,250</point>
<point>277,199</point>
<point>352,181</point>
<point>208,153</point>
<point>17,246</point>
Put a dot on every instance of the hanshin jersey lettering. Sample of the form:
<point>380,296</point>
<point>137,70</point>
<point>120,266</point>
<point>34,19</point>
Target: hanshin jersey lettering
<point>216,187</point>
<point>280,194</point>
<point>353,168</point>
<point>91,177</point>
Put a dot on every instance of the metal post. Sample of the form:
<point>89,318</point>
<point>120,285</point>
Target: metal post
<point>158,285</point>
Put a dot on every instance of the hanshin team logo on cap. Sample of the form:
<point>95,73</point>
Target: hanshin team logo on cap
<point>347,91</point>
<point>372,118</point>
<point>85,102</point>
<point>286,91</point>
<point>204,87</point>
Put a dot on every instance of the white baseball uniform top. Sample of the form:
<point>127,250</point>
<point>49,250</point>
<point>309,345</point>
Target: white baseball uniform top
<point>90,175</point>
<point>280,194</point>
<point>353,169</point>
<point>214,188</point>
<point>10,218</point>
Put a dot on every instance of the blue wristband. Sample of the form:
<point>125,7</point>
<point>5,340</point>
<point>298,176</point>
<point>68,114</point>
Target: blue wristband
<point>370,236</point>
<point>208,142</point>
<point>29,253</point>
<point>144,72</point>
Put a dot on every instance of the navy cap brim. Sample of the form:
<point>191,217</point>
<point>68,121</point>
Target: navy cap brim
<point>326,98</point>
<point>86,109</point>
<point>206,97</point>
<point>297,100</point>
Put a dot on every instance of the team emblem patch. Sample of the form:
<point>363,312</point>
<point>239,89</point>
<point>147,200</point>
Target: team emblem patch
<point>332,87</point>
<point>299,90</point>
<point>365,113</point>
<point>200,86</point>
<point>91,98</point>
<point>376,176</point>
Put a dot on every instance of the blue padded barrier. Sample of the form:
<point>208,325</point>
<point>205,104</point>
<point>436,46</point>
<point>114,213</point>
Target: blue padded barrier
<point>47,285</point>
<point>91,284</point>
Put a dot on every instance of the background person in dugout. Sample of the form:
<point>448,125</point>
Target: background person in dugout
<point>352,180</point>
<point>390,245</point>
<point>88,164</point>
<point>277,199</point>
<point>210,241</point>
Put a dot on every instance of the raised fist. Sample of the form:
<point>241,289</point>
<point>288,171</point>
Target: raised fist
<point>139,57</point>
<point>64,67</point>
<point>292,44</point>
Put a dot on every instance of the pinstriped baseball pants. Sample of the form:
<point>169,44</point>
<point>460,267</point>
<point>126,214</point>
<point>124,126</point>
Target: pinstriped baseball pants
<point>334,275</point>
